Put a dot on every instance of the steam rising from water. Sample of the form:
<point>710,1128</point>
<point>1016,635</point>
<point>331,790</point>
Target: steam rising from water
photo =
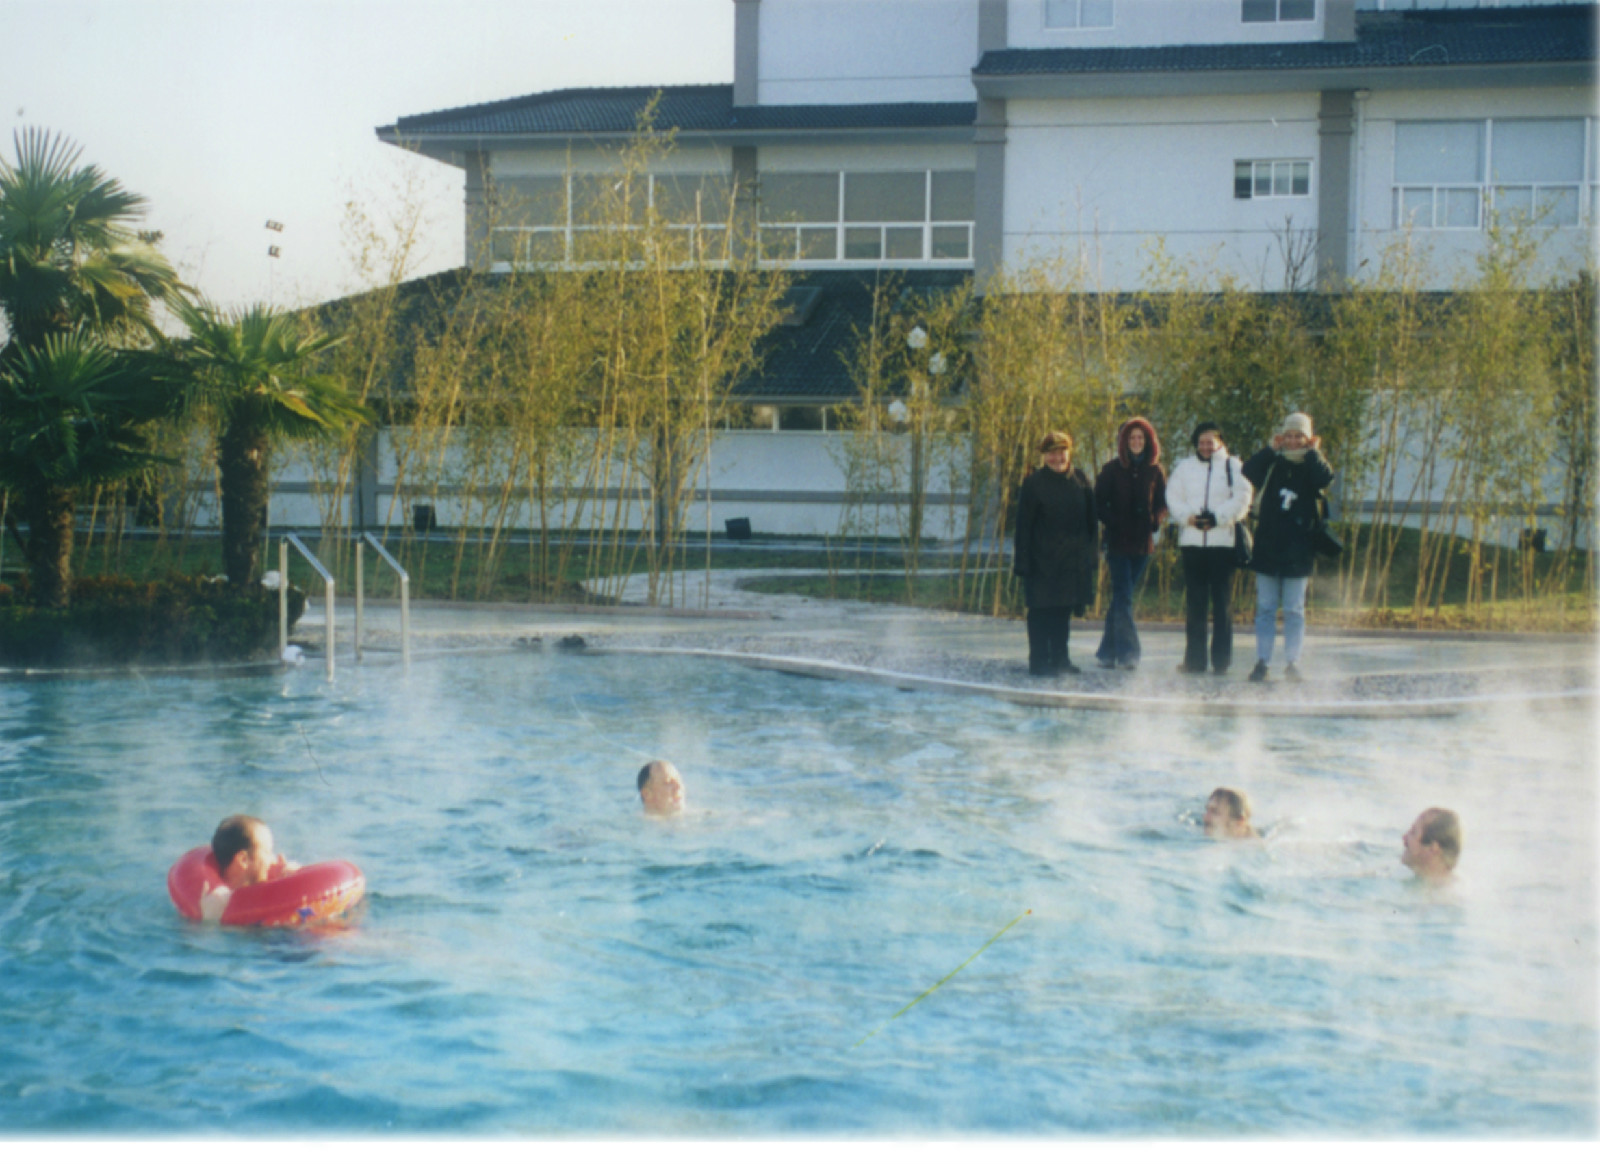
<point>537,956</point>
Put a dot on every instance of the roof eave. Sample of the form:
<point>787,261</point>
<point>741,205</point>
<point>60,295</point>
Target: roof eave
<point>437,145</point>
<point>1188,83</point>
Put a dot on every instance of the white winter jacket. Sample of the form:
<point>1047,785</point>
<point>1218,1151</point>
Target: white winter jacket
<point>1195,486</point>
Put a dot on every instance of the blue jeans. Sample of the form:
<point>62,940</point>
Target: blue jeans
<point>1273,592</point>
<point>1120,643</point>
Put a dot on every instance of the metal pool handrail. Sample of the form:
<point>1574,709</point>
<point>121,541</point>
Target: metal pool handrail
<point>283,593</point>
<point>405,594</point>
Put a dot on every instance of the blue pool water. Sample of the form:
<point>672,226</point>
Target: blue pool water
<point>536,958</point>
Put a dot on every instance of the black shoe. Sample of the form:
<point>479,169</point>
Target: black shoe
<point>1190,671</point>
<point>1067,668</point>
<point>1292,674</point>
<point>1258,674</point>
<point>1040,670</point>
<point>1105,663</point>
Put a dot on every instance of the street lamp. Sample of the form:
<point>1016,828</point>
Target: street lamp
<point>917,341</point>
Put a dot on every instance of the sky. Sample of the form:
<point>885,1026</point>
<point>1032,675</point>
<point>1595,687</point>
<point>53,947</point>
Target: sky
<point>225,114</point>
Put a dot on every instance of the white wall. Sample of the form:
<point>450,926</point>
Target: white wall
<point>800,158</point>
<point>1452,253</point>
<point>851,52</point>
<point>1107,177</point>
<point>1156,22</point>
<point>784,482</point>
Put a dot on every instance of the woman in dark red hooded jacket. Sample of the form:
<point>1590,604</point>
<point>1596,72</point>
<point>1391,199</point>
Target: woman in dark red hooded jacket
<point>1131,497</point>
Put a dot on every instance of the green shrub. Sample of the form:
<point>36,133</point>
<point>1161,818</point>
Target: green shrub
<point>114,620</point>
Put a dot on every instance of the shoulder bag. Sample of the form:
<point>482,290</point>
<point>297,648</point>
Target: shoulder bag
<point>1243,544</point>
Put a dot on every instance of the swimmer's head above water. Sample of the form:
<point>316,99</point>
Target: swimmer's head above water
<point>1432,847</point>
<point>243,849</point>
<point>1228,815</point>
<point>661,788</point>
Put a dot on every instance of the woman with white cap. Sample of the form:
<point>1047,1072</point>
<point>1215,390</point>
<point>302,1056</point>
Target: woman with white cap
<point>1289,477</point>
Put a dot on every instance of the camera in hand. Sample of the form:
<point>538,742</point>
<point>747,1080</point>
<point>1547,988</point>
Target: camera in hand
<point>1205,520</point>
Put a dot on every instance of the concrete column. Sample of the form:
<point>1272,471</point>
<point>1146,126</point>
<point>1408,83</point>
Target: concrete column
<point>1339,21</point>
<point>746,194</point>
<point>991,25</point>
<point>364,504</point>
<point>477,174</point>
<point>746,52</point>
<point>1335,157</point>
<point>989,202</point>
<point>989,138</point>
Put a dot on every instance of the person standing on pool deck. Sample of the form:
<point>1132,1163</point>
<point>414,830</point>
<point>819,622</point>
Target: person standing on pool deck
<point>1207,495</point>
<point>1055,553</point>
<point>661,789</point>
<point>242,848</point>
<point>1290,476</point>
<point>1432,847</point>
<point>1131,499</point>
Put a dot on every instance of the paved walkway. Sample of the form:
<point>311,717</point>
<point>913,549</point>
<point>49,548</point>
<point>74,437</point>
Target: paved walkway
<point>1347,673</point>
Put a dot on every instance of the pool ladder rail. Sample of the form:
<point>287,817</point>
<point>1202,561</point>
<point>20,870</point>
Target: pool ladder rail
<point>295,541</point>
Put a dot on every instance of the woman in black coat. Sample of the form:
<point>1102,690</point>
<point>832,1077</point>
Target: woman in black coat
<point>1289,477</point>
<point>1055,553</point>
<point>1131,495</point>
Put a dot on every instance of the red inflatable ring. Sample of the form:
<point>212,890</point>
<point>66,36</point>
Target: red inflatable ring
<point>312,894</point>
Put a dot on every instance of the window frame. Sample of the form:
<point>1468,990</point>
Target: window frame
<point>1077,24</point>
<point>870,242</point>
<point>1272,164</point>
<point>1277,16</point>
<point>1489,191</point>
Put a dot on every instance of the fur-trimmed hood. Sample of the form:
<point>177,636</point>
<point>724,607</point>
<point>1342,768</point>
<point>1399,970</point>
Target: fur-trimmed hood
<point>1152,443</point>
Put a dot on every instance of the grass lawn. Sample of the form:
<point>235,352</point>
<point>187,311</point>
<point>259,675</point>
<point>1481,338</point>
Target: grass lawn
<point>441,567</point>
<point>455,569</point>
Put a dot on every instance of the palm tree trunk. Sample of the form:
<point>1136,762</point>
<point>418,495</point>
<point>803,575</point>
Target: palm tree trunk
<point>49,512</point>
<point>242,461</point>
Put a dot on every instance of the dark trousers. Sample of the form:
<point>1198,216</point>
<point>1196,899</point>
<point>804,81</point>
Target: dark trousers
<point>1048,628</point>
<point>1120,643</point>
<point>1207,578</point>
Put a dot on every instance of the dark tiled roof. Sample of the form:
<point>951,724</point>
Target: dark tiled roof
<point>689,108</point>
<point>802,360</point>
<point>1485,36</point>
<point>808,361</point>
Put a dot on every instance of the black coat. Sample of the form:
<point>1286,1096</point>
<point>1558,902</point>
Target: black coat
<point>1056,549</point>
<point>1131,497</point>
<point>1290,501</point>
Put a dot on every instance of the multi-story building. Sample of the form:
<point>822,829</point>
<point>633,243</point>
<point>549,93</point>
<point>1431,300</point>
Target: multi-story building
<point>1279,143</point>
<point>969,133</point>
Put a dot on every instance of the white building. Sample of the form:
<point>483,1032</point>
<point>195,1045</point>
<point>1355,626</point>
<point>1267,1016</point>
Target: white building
<point>1282,143</point>
<point>967,133</point>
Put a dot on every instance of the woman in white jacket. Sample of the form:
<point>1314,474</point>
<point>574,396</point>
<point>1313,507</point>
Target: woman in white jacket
<point>1207,496</point>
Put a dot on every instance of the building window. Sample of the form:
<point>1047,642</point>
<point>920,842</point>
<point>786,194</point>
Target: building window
<point>1272,178</point>
<point>867,216</point>
<point>1077,13</point>
<point>1272,11</point>
<point>566,219</point>
<point>1447,172</point>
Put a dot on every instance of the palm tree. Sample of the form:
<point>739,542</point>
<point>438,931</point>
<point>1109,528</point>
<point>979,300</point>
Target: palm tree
<point>256,371</point>
<point>73,413</point>
<point>75,281</point>
<point>69,253</point>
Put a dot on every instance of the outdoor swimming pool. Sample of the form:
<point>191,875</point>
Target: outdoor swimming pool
<point>537,959</point>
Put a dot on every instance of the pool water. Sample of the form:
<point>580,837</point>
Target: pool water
<point>536,958</point>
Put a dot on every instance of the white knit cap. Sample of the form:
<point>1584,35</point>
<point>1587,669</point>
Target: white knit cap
<point>1297,423</point>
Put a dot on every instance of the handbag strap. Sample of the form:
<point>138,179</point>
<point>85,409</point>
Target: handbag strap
<point>1255,503</point>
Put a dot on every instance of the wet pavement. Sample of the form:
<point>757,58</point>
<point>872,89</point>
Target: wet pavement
<point>1346,673</point>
